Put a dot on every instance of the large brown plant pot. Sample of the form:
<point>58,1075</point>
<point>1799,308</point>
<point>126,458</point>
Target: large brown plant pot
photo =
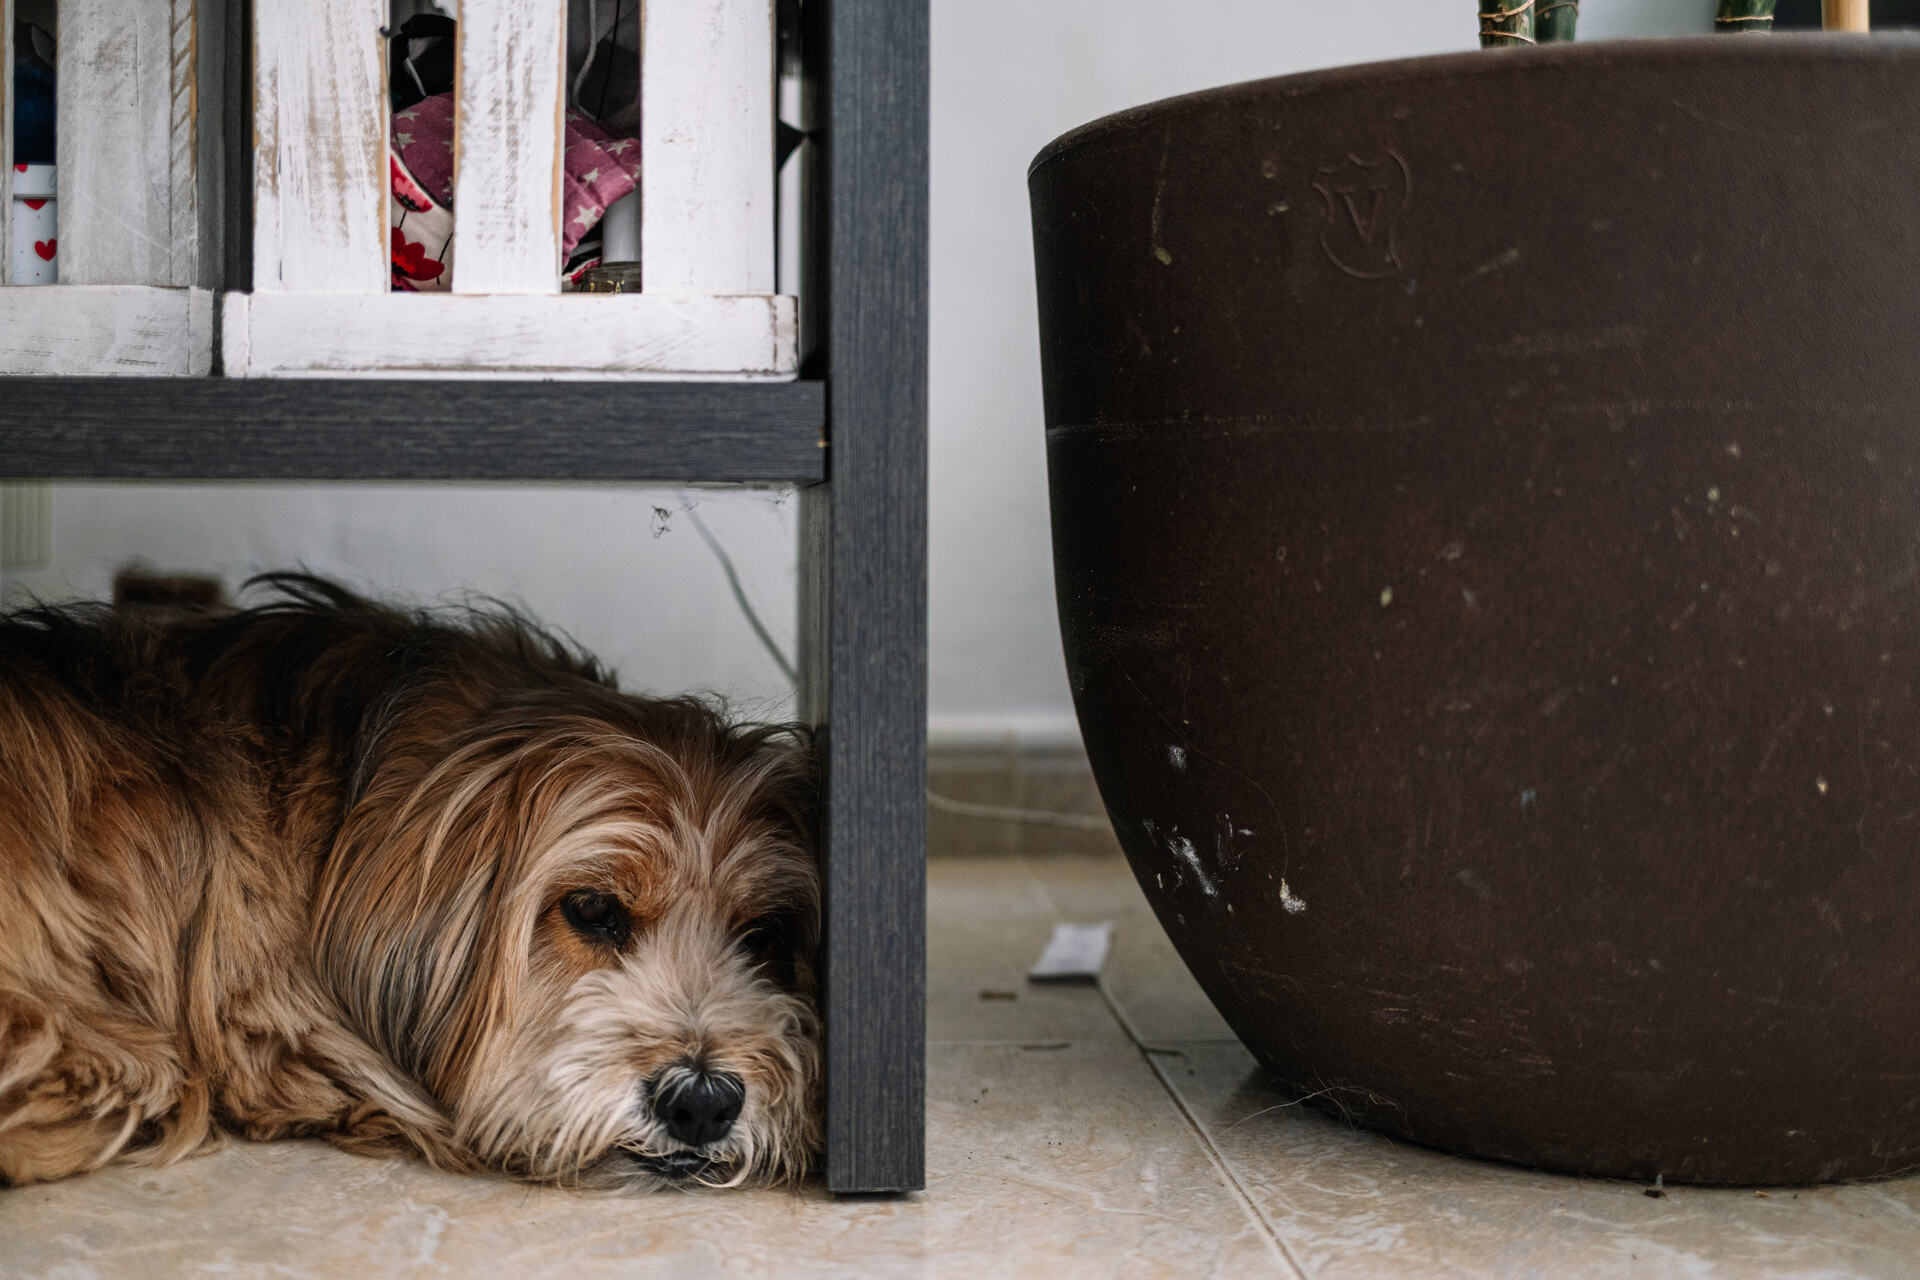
<point>1486,511</point>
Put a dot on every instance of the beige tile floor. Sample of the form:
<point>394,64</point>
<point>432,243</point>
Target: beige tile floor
<point>1071,1131</point>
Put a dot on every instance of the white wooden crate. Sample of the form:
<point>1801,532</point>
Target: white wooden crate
<point>321,303</point>
<point>138,195</point>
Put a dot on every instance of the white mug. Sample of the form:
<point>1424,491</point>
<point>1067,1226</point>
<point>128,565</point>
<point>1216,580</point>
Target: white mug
<point>35,227</point>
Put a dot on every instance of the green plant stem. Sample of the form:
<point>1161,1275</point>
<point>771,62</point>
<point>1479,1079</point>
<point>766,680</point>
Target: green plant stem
<point>1506,23</point>
<point>1555,21</point>
<point>1744,17</point>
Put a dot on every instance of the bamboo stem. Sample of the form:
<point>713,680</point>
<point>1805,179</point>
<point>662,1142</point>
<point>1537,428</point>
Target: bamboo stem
<point>1744,17</point>
<point>1504,23</point>
<point>1555,20</point>
<point>1845,15</point>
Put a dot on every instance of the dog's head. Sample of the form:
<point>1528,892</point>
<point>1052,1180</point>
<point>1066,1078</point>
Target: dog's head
<point>585,924</point>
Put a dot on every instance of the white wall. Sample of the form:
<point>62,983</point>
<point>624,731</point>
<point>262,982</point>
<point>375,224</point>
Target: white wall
<point>1009,75</point>
<point>622,570</point>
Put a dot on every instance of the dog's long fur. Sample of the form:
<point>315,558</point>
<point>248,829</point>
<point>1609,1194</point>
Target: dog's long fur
<point>299,870</point>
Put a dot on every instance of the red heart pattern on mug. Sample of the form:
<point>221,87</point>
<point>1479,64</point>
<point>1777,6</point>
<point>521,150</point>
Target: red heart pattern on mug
<point>46,249</point>
<point>35,205</point>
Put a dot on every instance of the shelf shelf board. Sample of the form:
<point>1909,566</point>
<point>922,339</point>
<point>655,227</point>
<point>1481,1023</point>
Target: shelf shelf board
<point>411,429</point>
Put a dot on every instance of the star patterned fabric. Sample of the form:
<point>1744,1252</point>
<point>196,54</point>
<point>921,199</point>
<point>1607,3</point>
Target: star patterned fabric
<point>597,169</point>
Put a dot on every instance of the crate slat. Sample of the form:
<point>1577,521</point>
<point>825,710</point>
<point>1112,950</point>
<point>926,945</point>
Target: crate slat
<point>706,146</point>
<point>500,335</point>
<point>320,147</point>
<point>197,142</point>
<point>127,182</point>
<point>6,131</point>
<point>508,127</point>
<point>106,329</point>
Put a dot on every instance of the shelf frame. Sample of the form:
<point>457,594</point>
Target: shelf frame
<point>863,599</point>
<point>852,433</point>
<point>412,429</point>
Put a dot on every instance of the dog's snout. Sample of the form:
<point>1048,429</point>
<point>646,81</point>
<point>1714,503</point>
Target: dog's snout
<point>698,1106</point>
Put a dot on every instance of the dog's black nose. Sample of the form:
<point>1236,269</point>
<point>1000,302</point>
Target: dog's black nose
<point>698,1106</point>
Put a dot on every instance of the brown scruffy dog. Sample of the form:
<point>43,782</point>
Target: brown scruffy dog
<point>410,882</point>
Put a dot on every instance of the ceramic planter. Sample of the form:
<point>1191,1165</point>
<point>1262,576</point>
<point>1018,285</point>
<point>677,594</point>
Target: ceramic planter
<point>1486,503</point>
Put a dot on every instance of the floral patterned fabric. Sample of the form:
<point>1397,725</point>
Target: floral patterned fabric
<point>597,169</point>
<point>422,236</point>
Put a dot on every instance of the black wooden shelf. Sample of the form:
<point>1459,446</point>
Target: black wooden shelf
<point>862,513</point>
<point>403,429</point>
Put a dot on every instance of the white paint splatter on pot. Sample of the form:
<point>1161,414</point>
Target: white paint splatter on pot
<point>1293,904</point>
<point>1182,848</point>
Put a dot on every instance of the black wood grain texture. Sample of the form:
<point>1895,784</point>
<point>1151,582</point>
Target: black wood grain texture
<point>381,429</point>
<point>864,597</point>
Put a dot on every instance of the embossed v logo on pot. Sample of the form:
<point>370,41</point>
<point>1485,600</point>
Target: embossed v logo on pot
<point>1366,200</point>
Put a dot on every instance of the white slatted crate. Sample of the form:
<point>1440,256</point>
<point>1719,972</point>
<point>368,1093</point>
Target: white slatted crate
<point>321,304</point>
<point>138,196</point>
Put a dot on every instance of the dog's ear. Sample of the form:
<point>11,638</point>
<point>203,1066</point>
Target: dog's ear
<point>370,740</point>
<point>790,775</point>
<point>413,911</point>
<point>783,760</point>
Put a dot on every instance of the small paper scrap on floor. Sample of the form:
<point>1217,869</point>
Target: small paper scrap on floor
<point>1075,953</point>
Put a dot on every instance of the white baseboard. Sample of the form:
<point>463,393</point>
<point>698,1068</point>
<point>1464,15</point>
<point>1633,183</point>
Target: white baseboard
<point>1043,731</point>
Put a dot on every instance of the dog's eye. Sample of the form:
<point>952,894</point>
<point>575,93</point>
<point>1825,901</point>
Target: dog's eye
<point>597,915</point>
<point>763,934</point>
<point>770,940</point>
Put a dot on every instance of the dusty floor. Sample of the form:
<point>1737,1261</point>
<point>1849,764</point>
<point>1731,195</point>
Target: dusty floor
<point>1072,1131</point>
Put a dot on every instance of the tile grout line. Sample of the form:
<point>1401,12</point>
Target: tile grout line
<point>1037,890</point>
<point>1147,1056</point>
<point>1214,1153</point>
<point>1226,1169</point>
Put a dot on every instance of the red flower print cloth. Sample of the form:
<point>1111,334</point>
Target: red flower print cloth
<point>597,169</point>
<point>422,239</point>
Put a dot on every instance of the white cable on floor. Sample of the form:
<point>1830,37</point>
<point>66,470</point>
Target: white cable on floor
<point>739,593</point>
<point>1040,817</point>
<point>945,804</point>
